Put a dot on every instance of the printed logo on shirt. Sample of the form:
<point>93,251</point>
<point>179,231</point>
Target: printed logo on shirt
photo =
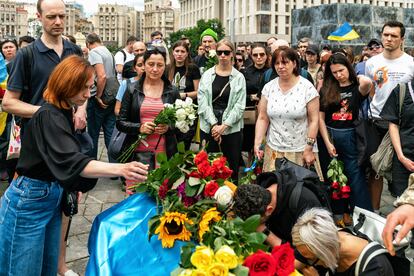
<point>381,76</point>
<point>344,113</point>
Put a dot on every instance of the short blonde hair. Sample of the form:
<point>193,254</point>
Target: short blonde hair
<point>227,43</point>
<point>316,230</point>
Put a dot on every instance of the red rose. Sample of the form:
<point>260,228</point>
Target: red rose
<point>194,174</point>
<point>210,189</point>
<point>200,157</point>
<point>258,170</point>
<point>204,169</point>
<point>162,192</point>
<point>345,189</point>
<point>336,196</point>
<point>260,264</point>
<point>335,185</point>
<point>219,169</point>
<point>285,259</point>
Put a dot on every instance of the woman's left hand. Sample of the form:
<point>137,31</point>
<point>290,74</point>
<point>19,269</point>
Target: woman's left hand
<point>161,129</point>
<point>218,130</point>
<point>308,156</point>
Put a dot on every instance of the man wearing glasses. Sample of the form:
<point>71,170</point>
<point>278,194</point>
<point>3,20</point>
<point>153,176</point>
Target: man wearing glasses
<point>374,47</point>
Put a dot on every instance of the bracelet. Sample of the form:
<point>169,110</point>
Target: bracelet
<point>266,231</point>
<point>310,141</point>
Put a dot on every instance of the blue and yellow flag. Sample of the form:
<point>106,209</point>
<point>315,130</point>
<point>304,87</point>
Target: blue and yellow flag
<point>345,32</point>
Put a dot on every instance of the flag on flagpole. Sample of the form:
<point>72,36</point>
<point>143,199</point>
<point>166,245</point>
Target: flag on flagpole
<point>344,32</point>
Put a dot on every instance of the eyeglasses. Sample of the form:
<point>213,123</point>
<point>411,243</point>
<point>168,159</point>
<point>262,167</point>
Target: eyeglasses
<point>239,60</point>
<point>225,52</point>
<point>259,54</point>
<point>374,47</point>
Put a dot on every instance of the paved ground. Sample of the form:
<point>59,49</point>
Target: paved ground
<point>106,194</point>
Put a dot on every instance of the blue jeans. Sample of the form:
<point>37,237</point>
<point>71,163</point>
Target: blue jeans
<point>30,221</point>
<point>100,117</point>
<point>344,141</point>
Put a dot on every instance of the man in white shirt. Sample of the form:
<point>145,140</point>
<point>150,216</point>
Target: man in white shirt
<point>386,70</point>
<point>124,55</point>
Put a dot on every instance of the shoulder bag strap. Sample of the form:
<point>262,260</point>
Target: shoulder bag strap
<point>370,251</point>
<point>401,95</point>
<point>221,92</point>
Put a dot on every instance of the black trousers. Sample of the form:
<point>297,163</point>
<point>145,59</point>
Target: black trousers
<point>230,147</point>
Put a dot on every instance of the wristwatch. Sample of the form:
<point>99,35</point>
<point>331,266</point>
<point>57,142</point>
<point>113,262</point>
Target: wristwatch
<point>310,141</point>
<point>266,231</point>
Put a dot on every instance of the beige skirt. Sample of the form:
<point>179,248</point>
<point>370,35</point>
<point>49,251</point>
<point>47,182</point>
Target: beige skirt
<point>271,155</point>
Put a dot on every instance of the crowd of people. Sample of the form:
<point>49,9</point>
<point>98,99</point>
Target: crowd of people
<point>270,100</point>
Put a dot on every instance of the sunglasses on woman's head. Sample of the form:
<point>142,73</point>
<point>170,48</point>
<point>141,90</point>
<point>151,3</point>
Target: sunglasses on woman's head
<point>225,52</point>
<point>152,48</point>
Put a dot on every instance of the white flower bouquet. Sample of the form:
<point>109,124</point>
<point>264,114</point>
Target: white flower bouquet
<point>181,115</point>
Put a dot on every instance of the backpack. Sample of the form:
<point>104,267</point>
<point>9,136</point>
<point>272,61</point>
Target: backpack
<point>304,178</point>
<point>128,70</point>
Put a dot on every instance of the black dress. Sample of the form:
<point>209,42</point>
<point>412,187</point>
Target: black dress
<point>390,112</point>
<point>254,84</point>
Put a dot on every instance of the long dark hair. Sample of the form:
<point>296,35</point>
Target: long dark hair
<point>330,87</point>
<point>187,60</point>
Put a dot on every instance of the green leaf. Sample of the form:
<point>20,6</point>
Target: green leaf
<point>193,181</point>
<point>191,190</point>
<point>241,271</point>
<point>141,188</point>
<point>186,252</point>
<point>330,173</point>
<point>251,224</point>
<point>220,230</point>
<point>201,189</point>
<point>181,147</point>
<point>178,182</point>
<point>256,237</point>
<point>153,224</point>
<point>238,221</point>
<point>162,157</point>
<point>218,243</point>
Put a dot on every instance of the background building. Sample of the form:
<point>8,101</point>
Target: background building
<point>13,20</point>
<point>114,23</point>
<point>74,12</point>
<point>159,15</point>
<point>256,20</point>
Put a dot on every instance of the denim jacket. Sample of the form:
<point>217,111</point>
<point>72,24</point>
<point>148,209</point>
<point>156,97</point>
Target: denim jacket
<point>129,120</point>
<point>233,114</point>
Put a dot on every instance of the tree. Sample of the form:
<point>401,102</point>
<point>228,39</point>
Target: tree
<point>194,33</point>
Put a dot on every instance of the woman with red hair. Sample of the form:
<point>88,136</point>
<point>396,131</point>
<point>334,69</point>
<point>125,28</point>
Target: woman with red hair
<point>50,162</point>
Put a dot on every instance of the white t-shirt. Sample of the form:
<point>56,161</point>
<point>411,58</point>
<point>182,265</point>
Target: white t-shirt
<point>386,74</point>
<point>288,115</point>
<point>121,60</point>
<point>119,57</point>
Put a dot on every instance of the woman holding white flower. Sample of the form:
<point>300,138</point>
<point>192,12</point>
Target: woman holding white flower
<point>139,108</point>
<point>221,103</point>
<point>185,76</point>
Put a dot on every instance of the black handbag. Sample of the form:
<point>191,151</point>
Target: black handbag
<point>367,140</point>
<point>111,89</point>
<point>145,157</point>
<point>69,203</point>
<point>116,145</point>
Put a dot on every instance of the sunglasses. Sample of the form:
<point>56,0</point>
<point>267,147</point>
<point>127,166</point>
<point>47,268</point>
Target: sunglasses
<point>259,54</point>
<point>239,60</point>
<point>374,47</point>
<point>225,52</point>
<point>152,48</point>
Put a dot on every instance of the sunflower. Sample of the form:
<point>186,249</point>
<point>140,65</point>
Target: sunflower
<point>210,215</point>
<point>172,227</point>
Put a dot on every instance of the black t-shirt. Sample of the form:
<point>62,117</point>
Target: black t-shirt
<point>391,113</point>
<point>185,83</point>
<point>342,114</point>
<point>254,81</point>
<point>378,266</point>
<point>50,150</point>
<point>200,61</point>
<point>218,84</point>
<point>282,220</point>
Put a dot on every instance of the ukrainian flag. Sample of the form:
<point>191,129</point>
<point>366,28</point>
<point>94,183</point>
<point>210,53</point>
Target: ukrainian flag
<point>345,32</point>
